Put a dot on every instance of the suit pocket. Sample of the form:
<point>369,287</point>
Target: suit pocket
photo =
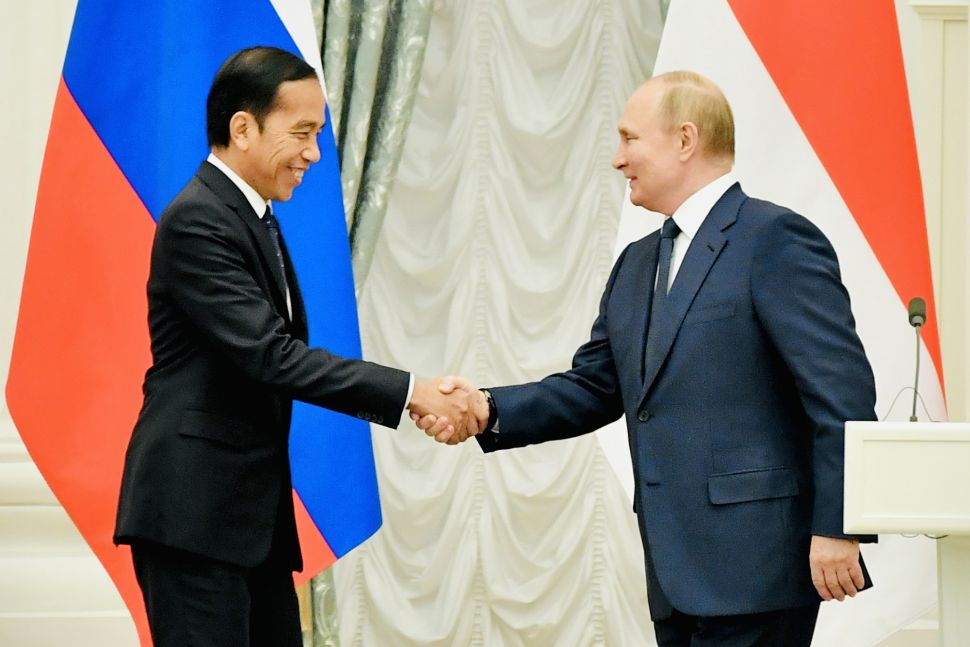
<point>221,429</point>
<point>752,485</point>
<point>709,312</point>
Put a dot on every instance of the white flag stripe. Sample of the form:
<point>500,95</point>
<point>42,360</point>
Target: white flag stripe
<point>297,17</point>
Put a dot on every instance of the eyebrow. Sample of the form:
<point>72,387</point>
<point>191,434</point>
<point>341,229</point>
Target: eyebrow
<point>306,123</point>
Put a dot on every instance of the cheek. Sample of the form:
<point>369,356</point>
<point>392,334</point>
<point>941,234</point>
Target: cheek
<point>285,155</point>
<point>641,157</point>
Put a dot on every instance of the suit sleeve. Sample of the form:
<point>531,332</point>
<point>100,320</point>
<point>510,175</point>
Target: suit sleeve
<point>804,308</point>
<point>563,405</point>
<point>206,273</point>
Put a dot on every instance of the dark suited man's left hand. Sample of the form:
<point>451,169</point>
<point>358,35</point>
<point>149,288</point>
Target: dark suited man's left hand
<point>836,572</point>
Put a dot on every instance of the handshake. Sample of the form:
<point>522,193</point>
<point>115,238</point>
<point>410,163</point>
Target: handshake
<point>448,408</point>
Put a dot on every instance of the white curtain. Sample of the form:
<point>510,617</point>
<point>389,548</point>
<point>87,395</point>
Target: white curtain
<point>496,245</point>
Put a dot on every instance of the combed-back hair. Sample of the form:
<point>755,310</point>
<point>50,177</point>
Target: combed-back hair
<point>689,96</point>
<point>249,80</point>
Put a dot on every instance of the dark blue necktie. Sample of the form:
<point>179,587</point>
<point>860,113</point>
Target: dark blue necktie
<point>668,232</point>
<point>273,227</point>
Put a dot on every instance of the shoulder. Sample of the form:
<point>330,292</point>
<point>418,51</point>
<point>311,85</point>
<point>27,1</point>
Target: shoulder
<point>785,243</point>
<point>639,247</point>
<point>196,205</point>
<point>634,253</point>
<point>197,219</point>
<point>773,224</point>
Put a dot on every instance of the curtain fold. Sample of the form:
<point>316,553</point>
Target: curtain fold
<point>372,53</point>
<point>372,56</point>
<point>496,244</point>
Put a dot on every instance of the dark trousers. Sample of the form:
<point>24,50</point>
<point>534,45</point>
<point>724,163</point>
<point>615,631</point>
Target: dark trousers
<point>196,601</point>
<point>785,628</point>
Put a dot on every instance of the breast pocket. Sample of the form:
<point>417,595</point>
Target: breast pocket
<point>709,312</point>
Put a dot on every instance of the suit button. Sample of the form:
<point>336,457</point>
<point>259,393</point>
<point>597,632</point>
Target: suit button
<point>644,416</point>
<point>380,420</point>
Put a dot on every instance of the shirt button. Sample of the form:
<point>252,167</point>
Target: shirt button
<point>644,416</point>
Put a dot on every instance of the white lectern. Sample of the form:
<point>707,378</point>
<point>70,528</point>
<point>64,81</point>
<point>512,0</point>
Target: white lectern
<point>914,477</point>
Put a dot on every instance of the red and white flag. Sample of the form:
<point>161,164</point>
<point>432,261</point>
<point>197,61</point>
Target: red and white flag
<point>823,126</point>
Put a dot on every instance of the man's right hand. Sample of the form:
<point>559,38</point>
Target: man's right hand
<point>440,427</point>
<point>444,411</point>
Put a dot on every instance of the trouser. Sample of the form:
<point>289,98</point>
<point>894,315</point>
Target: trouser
<point>193,600</point>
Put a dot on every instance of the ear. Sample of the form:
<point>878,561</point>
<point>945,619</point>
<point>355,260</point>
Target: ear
<point>689,140</point>
<point>241,126</point>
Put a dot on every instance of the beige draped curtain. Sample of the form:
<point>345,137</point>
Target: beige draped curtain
<point>496,243</point>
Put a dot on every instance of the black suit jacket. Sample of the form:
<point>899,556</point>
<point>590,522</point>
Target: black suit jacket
<point>207,467</point>
<point>735,402</point>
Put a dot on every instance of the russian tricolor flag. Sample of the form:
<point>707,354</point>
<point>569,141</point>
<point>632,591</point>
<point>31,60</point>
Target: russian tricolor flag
<point>128,131</point>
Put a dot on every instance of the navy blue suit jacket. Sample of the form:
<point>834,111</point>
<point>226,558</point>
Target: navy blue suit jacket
<point>735,415</point>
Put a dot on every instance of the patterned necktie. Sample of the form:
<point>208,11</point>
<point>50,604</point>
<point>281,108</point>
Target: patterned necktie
<point>273,227</point>
<point>668,232</point>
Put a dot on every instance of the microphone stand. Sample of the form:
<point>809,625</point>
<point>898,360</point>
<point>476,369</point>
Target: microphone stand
<point>912,417</point>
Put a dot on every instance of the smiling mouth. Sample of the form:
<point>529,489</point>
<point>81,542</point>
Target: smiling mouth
<point>298,173</point>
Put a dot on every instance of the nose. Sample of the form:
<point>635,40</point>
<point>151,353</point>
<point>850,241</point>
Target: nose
<point>312,152</point>
<point>619,161</point>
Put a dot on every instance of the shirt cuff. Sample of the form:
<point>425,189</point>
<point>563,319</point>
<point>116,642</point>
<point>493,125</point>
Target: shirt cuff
<point>407,400</point>
<point>492,425</point>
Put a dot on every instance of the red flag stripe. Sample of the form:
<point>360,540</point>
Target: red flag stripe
<point>839,68</point>
<point>83,386</point>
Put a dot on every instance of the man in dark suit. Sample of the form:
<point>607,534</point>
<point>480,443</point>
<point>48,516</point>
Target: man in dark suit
<point>727,341</point>
<point>206,501</point>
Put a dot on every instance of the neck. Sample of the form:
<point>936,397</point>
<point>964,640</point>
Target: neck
<point>232,158</point>
<point>700,176</point>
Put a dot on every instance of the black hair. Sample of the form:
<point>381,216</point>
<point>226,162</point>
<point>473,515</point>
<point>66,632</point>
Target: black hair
<point>249,80</point>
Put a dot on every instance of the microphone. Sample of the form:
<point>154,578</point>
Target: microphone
<point>917,317</point>
<point>917,312</point>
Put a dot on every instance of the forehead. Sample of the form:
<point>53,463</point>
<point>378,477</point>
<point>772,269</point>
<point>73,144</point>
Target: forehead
<point>641,107</point>
<point>300,101</point>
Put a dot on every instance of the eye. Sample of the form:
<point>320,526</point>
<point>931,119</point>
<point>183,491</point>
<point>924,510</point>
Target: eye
<point>302,134</point>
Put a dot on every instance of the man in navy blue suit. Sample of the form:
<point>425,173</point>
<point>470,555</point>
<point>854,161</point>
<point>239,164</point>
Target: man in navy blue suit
<point>727,341</point>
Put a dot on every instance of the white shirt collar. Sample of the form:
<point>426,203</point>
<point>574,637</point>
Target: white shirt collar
<point>690,215</point>
<point>252,196</point>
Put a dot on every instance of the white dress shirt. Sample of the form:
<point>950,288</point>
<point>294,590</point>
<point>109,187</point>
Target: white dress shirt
<point>690,215</point>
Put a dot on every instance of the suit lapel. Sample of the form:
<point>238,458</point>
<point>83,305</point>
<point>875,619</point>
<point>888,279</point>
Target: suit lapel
<point>648,270</point>
<point>296,297</point>
<point>223,187</point>
<point>703,251</point>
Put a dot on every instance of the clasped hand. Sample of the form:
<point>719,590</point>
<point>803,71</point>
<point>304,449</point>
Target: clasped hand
<point>450,409</point>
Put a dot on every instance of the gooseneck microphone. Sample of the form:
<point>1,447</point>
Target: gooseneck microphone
<point>917,317</point>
